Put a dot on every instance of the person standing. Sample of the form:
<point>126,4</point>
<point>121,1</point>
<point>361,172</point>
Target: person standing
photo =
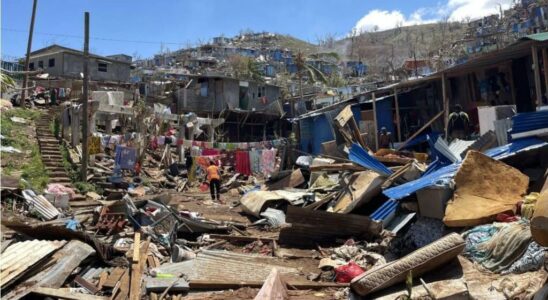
<point>458,124</point>
<point>214,178</point>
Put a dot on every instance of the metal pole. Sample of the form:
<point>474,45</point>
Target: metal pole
<point>27,58</point>
<point>85,98</point>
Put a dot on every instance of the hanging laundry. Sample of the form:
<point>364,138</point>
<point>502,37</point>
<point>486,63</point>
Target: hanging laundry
<point>268,161</point>
<point>208,152</point>
<point>125,157</point>
<point>161,140</point>
<point>255,161</point>
<point>94,145</point>
<point>242,163</point>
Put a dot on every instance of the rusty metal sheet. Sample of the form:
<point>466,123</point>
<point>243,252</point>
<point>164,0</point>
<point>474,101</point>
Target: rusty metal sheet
<point>226,266</point>
<point>20,257</point>
<point>310,227</point>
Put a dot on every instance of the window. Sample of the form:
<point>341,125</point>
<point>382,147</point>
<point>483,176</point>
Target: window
<point>102,67</point>
<point>51,62</point>
<point>40,64</point>
<point>31,66</point>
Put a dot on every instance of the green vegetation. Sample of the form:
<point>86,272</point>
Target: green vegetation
<point>6,82</point>
<point>27,164</point>
<point>74,175</point>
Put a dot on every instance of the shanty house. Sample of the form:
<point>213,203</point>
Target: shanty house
<point>69,63</point>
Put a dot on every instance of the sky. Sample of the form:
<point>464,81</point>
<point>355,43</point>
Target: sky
<point>144,27</point>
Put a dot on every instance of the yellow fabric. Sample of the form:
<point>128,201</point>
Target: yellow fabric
<point>213,172</point>
<point>94,145</point>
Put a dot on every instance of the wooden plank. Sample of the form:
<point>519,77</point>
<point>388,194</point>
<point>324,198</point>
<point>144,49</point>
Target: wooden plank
<point>545,62</point>
<point>65,293</point>
<point>445,106</point>
<point>536,69</point>
<point>136,247</point>
<point>337,167</point>
<point>421,130</point>
<point>344,116</point>
<point>137,269</point>
<point>375,124</point>
<point>102,279</point>
<point>114,277</point>
<point>123,288</point>
<point>398,121</point>
<point>309,227</point>
<point>161,284</point>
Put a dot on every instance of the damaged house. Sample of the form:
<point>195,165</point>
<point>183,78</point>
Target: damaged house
<point>251,109</point>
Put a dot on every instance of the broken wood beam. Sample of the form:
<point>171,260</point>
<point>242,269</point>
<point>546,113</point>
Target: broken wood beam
<point>243,239</point>
<point>420,130</point>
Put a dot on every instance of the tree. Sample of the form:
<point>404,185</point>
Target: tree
<point>6,82</point>
<point>245,68</point>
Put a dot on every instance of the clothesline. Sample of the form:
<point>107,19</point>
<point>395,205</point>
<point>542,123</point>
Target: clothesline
<point>233,146</point>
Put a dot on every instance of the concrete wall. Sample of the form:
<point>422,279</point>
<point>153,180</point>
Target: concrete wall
<point>71,65</point>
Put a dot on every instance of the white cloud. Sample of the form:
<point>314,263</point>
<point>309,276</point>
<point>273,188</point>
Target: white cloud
<point>474,9</point>
<point>456,10</point>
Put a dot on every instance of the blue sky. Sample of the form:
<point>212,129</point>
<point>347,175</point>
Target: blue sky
<point>139,26</point>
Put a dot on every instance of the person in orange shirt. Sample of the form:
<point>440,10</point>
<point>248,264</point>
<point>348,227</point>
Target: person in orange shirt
<point>214,178</point>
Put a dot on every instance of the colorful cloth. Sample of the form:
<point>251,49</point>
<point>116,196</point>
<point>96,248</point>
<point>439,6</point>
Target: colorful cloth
<point>242,163</point>
<point>125,157</point>
<point>94,145</point>
<point>268,161</point>
<point>208,152</point>
<point>255,161</point>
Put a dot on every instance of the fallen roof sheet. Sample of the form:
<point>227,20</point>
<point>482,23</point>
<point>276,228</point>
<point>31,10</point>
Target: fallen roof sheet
<point>447,172</point>
<point>362,158</point>
<point>529,124</point>
<point>442,175</point>
<point>515,147</point>
<point>41,205</point>
<point>18,258</point>
<point>226,266</point>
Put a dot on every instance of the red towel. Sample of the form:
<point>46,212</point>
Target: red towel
<point>243,165</point>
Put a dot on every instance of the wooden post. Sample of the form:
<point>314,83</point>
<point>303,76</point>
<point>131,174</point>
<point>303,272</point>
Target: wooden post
<point>398,120</point>
<point>545,62</point>
<point>375,121</point>
<point>85,98</point>
<point>512,86</point>
<point>27,58</point>
<point>536,66</point>
<point>181,137</point>
<point>445,105</point>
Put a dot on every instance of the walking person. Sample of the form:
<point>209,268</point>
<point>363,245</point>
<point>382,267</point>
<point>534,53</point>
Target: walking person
<point>214,178</point>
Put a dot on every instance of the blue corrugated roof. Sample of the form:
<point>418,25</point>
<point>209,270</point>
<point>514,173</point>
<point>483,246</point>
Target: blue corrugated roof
<point>530,121</point>
<point>447,172</point>
<point>362,158</point>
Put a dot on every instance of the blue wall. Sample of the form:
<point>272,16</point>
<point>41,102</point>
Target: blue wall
<point>317,130</point>
<point>384,115</point>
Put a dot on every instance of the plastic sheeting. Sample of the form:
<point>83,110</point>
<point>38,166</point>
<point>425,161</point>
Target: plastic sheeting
<point>362,158</point>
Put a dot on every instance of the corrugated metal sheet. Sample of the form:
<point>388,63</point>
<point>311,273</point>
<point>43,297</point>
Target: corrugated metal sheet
<point>18,258</point>
<point>458,147</point>
<point>442,175</point>
<point>226,266</point>
<point>529,124</point>
<point>362,158</point>
<point>443,149</point>
<point>515,147</point>
<point>40,204</point>
<point>447,172</point>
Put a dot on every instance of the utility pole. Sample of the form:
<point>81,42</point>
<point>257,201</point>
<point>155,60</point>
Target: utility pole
<point>85,98</point>
<point>27,58</point>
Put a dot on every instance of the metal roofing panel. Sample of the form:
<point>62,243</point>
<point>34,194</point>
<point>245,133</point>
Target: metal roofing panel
<point>362,158</point>
<point>447,172</point>
<point>539,37</point>
<point>40,204</point>
<point>440,176</point>
<point>18,258</point>
<point>457,146</point>
<point>529,122</point>
<point>226,266</point>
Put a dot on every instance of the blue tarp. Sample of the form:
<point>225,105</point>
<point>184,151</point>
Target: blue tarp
<point>362,158</point>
